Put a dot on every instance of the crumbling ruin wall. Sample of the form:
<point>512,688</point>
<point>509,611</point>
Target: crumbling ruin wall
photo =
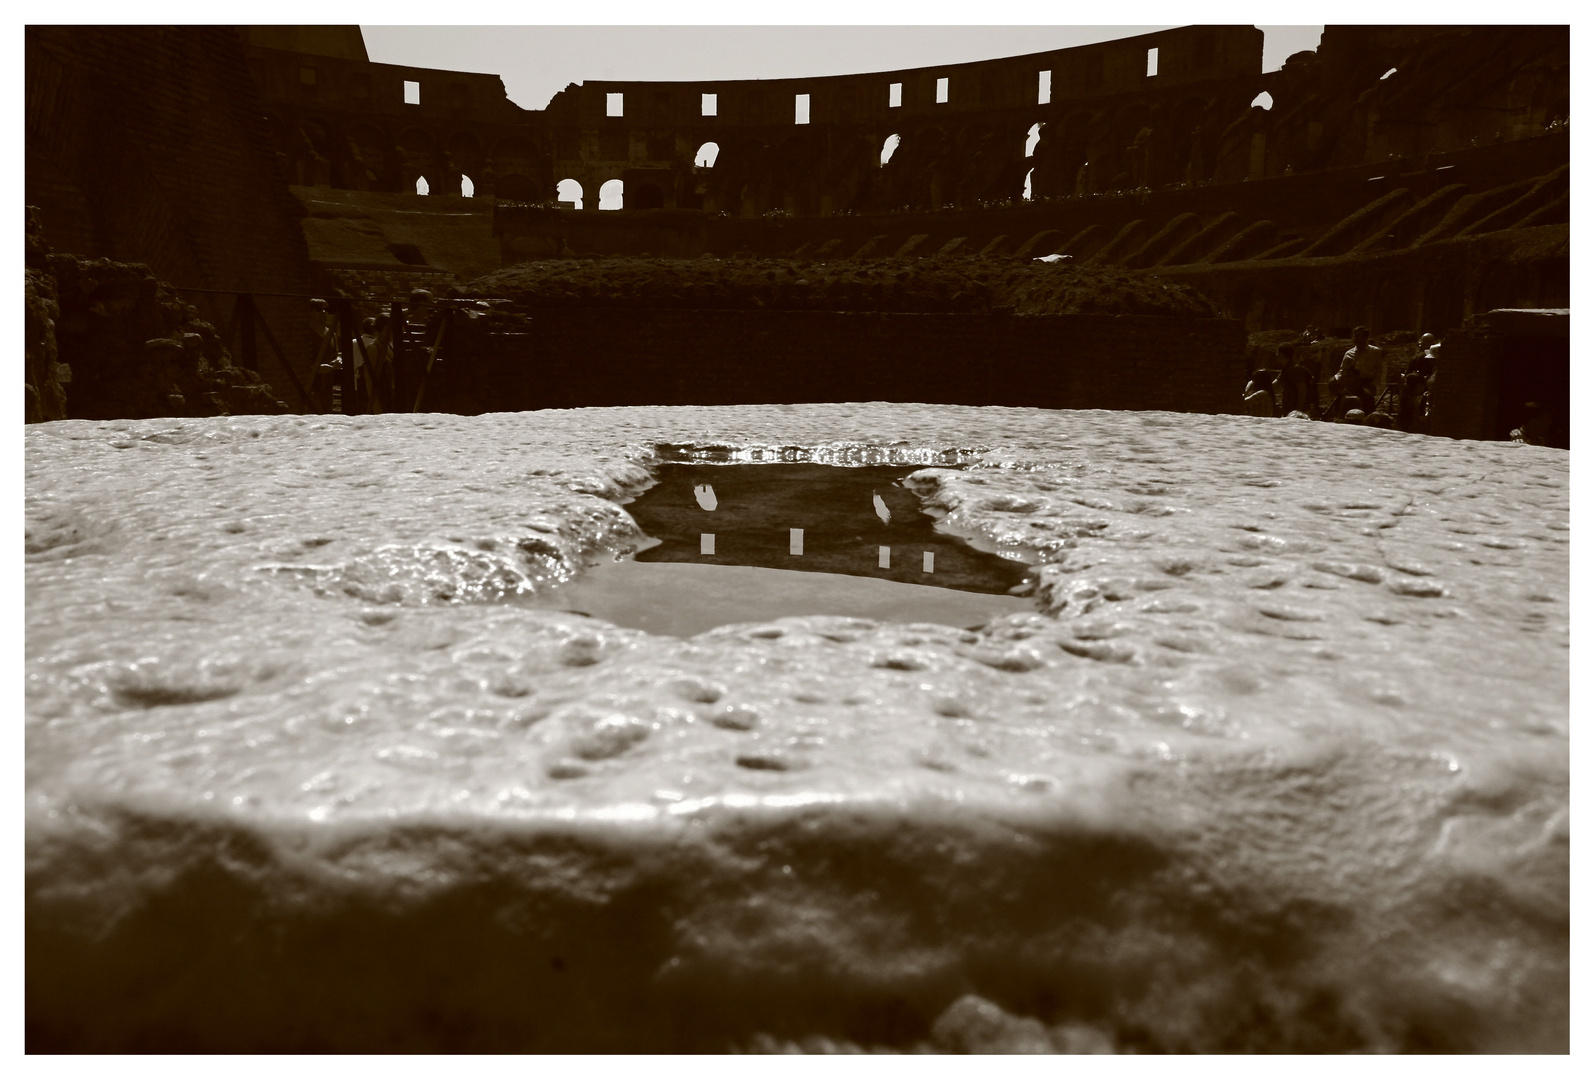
<point>1163,110</point>
<point>107,341</point>
<point>145,144</point>
<point>337,120</point>
<point>1108,122</point>
<point>1367,142</point>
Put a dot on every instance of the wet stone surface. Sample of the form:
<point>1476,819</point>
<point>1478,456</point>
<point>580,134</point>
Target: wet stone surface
<point>1275,759</point>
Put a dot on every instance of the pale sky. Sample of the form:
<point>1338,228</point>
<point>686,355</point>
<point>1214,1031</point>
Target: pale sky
<point>536,62</point>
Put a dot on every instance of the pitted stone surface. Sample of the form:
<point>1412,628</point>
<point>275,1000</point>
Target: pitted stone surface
<point>1284,682</point>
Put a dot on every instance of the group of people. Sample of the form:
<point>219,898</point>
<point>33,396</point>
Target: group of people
<point>1356,390</point>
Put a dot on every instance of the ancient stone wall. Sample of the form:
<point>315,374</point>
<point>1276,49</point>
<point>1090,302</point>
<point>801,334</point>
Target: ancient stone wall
<point>118,344</point>
<point>1168,227</point>
<point>1177,108</point>
<point>144,144</point>
<point>587,357</point>
<point>972,134</point>
<point>814,146</point>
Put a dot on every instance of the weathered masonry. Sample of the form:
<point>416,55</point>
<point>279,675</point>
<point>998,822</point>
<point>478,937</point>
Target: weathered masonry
<point>1189,106</point>
<point>1395,176</point>
<point>1400,177</point>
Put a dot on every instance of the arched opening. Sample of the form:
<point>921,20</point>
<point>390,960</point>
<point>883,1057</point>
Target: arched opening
<point>467,186</point>
<point>570,192</point>
<point>612,195</point>
<point>889,147</point>
<point>421,186</point>
<point>1032,139</point>
<point>1028,175</point>
<point>706,155</point>
<point>1265,100</point>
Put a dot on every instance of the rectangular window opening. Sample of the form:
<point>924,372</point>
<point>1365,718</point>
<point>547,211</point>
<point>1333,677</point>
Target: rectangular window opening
<point>941,90</point>
<point>894,96</point>
<point>1151,63</point>
<point>614,104</point>
<point>1044,88</point>
<point>800,109</point>
<point>412,92</point>
<point>711,105</point>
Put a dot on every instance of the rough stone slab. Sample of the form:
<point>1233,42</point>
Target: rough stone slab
<point>1280,761</point>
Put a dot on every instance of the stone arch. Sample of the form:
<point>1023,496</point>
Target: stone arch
<point>612,195</point>
<point>567,190</point>
<point>706,156</point>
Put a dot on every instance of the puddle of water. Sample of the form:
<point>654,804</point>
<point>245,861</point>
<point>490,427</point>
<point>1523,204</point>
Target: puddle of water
<point>846,516</point>
<point>742,543</point>
<point>683,599</point>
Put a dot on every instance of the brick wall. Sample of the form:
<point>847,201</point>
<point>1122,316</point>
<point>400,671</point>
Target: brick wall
<point>588,357</point>
<point>145,145</point>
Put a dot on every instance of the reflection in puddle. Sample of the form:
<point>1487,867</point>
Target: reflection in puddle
<point>749,543</point>
<point>819,518</point>
<point>683,599</point>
